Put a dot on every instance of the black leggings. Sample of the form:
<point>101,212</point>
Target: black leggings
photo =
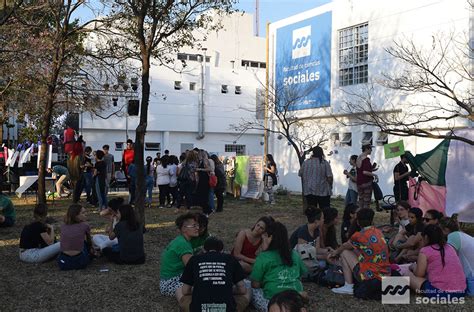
<point>164,193</point>
<point>220,199</point>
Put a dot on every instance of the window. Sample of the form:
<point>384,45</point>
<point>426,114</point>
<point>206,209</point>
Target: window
<point>192,57</point>
<point>182,57</point>
<point>382,138</point>
<point>346,139</point>
<point>192,86</point>
<point>237,148</point>
<point>152,146</point>
<point>177,85</point>
<point>367,138</point>
<point>238,90</point>
<point>224,89</point>
<point>118,146</point>
<point>353,55</point>
<point>254,64</point>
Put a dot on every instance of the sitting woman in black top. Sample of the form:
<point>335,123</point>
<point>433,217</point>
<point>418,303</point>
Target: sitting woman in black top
<point>308,233</point>
<point>130,239</point>
<point>37,238</point>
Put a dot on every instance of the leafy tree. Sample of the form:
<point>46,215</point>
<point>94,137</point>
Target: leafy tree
<point>153,31</point>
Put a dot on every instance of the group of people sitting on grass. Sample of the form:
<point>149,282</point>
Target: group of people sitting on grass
<point>265,262</point>
<point>122,244</point>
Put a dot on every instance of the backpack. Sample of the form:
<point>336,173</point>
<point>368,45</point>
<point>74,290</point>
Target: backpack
<point>212,180</point>
<point>368,290</point>
<point>332,277</point>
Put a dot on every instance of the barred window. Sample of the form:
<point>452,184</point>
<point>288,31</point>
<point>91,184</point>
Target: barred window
<point>237,148</point>
<point>353,55</point>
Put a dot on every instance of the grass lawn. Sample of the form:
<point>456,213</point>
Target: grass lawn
<point>43,287</point>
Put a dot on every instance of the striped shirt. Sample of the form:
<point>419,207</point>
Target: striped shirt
<point>314,174</point>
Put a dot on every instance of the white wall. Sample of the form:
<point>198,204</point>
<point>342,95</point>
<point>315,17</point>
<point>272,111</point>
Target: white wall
<point>388,21</point>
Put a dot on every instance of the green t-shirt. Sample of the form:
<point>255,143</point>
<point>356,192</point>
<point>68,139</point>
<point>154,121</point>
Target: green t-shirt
<point>276,277</point>
<point>171,263</point>
<point>6,207</point>
<point>198,242</point>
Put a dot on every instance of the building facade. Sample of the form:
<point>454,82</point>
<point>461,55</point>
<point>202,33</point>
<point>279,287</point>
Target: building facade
<point>338,50</point>
<point>196,101</point>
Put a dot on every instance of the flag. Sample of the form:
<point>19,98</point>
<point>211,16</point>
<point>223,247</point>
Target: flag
<point>241,170</point>
<point>448,169</point>
<point>394,149</point>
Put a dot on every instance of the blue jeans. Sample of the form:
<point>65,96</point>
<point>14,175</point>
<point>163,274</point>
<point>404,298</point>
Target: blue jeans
<point>101,194</point>
<point>212,206</point>
<point>78,262</point>
<point>88,184</point>
<point>149,189</point>
<point>351,197</point>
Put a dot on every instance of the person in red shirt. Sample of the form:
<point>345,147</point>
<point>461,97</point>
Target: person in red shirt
<point>365,177</point>
<point>128,156</point>
<point>365,256</point>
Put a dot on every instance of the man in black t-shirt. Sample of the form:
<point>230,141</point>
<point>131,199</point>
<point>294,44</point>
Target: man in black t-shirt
<point>213,281</point>
<point>400,177</point>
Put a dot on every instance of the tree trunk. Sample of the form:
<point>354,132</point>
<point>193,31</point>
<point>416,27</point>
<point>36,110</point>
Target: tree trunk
<point>305,204</point>
<point>43,154</point>
<point>140,141</point>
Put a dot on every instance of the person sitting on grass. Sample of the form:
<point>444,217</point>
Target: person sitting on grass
<point>277,268</point>
<point>37,241</point>
<point>130,239</point>
<point>438,272</point>
<point>309,232</point>
<point>248,242</point>
<point>410,240</point>
<point>101,241</point>
<point>198,242</point>
<point>213,279</point>
<point>349,217</point>
<point>328,229</point>
<point>464,245</point>
<point>287,301</point>
<point>432,216</point>
<point>364,256</point>
<point>177,254</point>
<point>8,214</point>
<point>76,243</point>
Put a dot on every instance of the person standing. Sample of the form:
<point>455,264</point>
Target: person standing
<point>270,177</point>
<point>317,179</point>
<point>149,180</point>
<point>110,163</point>
<point>209,278</point>
<point>351,175</point>
<point>400,178</point>
<point>128,156</point>
<point>163,180</point>
<point>100,175</point>
<point>365,177</point>
<point>221,182</point>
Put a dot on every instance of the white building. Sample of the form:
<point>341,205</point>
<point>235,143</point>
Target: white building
<point>345,52</point>
<point>226,86</point>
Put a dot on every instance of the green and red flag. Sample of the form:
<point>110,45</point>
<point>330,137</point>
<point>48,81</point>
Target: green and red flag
<point>394,149</point>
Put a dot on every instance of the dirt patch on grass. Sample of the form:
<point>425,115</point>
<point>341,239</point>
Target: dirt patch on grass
<point>136,288</point>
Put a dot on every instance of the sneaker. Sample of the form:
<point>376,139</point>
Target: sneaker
<point>347,289</point>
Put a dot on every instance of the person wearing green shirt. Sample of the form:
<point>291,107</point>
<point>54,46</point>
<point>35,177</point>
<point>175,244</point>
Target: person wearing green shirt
<point>176,255</point>
<point>7,212</point>
<point>276,269</point>
<point>198,242</point>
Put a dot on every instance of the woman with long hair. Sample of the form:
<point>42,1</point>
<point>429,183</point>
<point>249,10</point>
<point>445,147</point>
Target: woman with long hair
<point>221,182</point>
<point>432,216</point>
<point>248,242</point>
<point>173,180</point>
<point>270,177</point>
<point>309,232</point>
<point>277,268</point>
<point>188,177</point>
<point>328,230</point>
<point>129,233</point>
<point>409,246</point>
<point>349,217</point>
<point>37,241</point>
<point>464,245</point>
<point>163,180</point>
<point>76,243</point>
<point>438,271</point>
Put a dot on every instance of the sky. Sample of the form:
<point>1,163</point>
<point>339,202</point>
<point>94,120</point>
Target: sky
<point>275,10</point>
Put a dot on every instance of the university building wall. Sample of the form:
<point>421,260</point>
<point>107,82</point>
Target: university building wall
<point>386,21</point>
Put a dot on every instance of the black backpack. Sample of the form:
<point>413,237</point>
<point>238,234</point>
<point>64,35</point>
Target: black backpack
<point>184,175</point>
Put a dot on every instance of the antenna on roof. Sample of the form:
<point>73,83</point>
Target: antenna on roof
<point>257,19</point>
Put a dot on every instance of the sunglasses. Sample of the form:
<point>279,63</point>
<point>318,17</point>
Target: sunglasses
<point>427,219</point>
<point>193,226</point>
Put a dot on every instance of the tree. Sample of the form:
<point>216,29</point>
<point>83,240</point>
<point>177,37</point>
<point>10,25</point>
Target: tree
<point>152,30</point>
<point>278,115</point>
<point>43,43</point>
<point>427,94</point>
